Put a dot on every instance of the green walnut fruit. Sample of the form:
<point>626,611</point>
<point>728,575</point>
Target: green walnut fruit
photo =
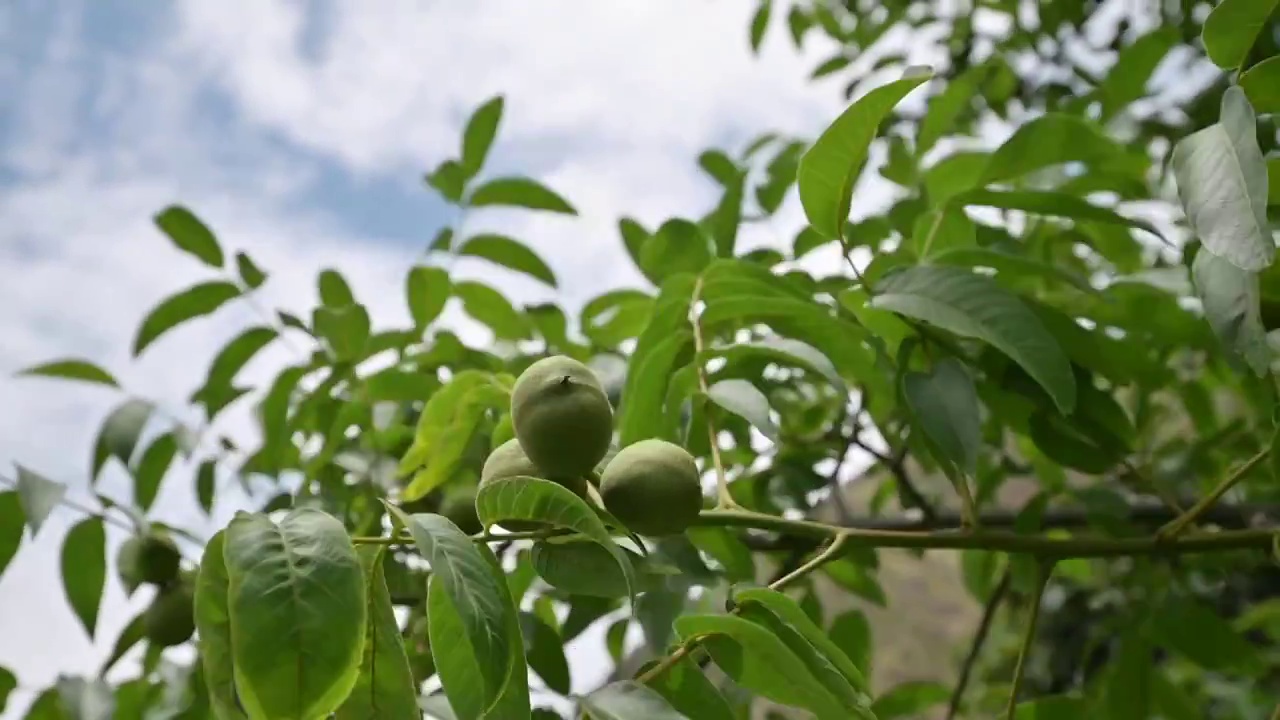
<point>171,618</point>
<point>652,486</point>
<point>459,507</point>
<point>150,559</point>
<point>509,460</point>
<point>562,417</point>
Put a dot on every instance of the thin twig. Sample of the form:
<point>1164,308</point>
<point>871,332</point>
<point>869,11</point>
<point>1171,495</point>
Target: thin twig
<point>724,499</point>
<point>1177,525</point>
<point>1044,570</point>
<point>80,508</point>
<point>979,640</point>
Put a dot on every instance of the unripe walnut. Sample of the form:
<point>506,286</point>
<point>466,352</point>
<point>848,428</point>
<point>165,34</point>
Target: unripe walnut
<point>459,506</point>
<point>652,486</point>
<point>150,559</point>
<point>170,620</point>
<point>509,460</point>
<point>562,417</point>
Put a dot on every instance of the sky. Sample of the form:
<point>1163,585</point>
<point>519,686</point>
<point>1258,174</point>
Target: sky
<point>299,131</point>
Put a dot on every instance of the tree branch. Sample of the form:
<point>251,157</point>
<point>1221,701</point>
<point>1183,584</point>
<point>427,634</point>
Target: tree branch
<point>1182,521</point>
<point>979,640</point>
<point>1044,570</point>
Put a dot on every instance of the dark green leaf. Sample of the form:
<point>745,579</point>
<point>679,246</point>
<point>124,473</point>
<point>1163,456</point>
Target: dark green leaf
<point>38,496</point>
<point>1010,265</point>
<point>1262,84</point>
<point>1232,27</point>
<point>910,700</point>
<point>1200,634</point>
<point>941,229</point>
<point>945,404</point>
<point>1222,182</point>
<point>11,522</point>
<point>196,301</point>
<point>491,308</point>
<point>449,179</point>
<point>1054,204</point>
<point>152,466</point>
<point>1060,707</point>
<point>678,246</point>
<point>84,570</point>
<point>1232,305</point>
<point>509,253</point>
<point>690,692</point>
<point>120,432</point>
<point>833,64</point>
<point>426,291</point>
<point>132,634</point>
<point>851,632</point>
<point>829,169</point>
<point>443,241</point>
<point>478,136</point>
<point>1126,691</point>
<point>520,192</point>
<point>250,274</point>
<point>72,369</point>
<point>973,306</point>
<point>759,23</point>
<point>744,399</point>
<point>544,651</point>
<point>190,235</point>
<point>385,687</point>
<point>634,236</point>
<point>297,604</point>
<point>213,622</point>
<point>616,316</point>
<point>579,568</point>
<point>8,683</point>
<point>660,346</point>
<point>234,356</point>
<point>628,700</point>
<point>1056,139</point>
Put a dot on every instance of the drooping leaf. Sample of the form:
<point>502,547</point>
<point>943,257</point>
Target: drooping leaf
<point>84,570</point>
<point>974,306</point>
<point>1056,204</point>
<point>477,137</point>
<point>120,431</point>
<point>829,169</point>
<point>470,615</point>
<point>250,274</point>
<point>628,700</point>
<point>1056,139</point>
<point>1222,183</point>
<point>690,692</point>
<point>1230,30</point>
<point>544,651</point>
<point>385,687</point>
<point>73,369</point>
<point>297,604</point>
<point>744,399</point>
<point>945,404</point>
<point>579,568</point>
<point>529,498</point>
<point>1197,632</point>
<point>760,23</point>
<point>1262,84</point>
<point>8,683</point>
<point>190,235</point>
<point>196,301</point>
<point>151,469</point>
<point>910,700</point>
<point>788,350</point>
<point>664,341</point>
<point>491,308</point>
<point>11,522</point>
<point>754,658</point>
<point>213,622</point>
<point>1232,305</point>
<point>38,496</point>
<point>520,192</point>
<point>851,632</point>
<point>427,290</point>
<point>449,179</point>
<point>509,253</point>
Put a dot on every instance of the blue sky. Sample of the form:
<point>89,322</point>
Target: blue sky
<point>299,131</point>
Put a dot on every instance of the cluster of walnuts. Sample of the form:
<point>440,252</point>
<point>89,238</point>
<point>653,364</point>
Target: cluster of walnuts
<point>153,559</point>
<point>563,425</point>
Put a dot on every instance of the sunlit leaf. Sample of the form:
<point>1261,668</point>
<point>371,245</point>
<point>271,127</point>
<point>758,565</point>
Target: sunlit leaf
<point>1231,28</point>
<point>190,235</point>
<point>345,329</point>
<point>84,570</point>
<point>196,301</point>
<point>1056,139</point>
<point>1262,84</point>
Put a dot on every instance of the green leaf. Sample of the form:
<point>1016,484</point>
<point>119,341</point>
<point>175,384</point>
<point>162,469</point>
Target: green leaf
<point>757,660</point>
<point>11,522</point>
<point>948,106</point>
<point>84,699</point>
<point>679,246</point>
<point>690,692</point>
<point>426,292</point>
<point>954,174</point>
<point>1060,707</point>
<point>852,684</point>
<point>833,64</point>
<point>579,568</point>
<point>1011,265</point>
<point>973,306</point>
<point>477,137</point>
<point>1056,139</point>
<point>38,496</point>
<point>190,235</point>
<point>1273,181</point>
<point>132,634</point>
<point>1197,632</point>
<point>628,700</point>
<point>744,399</point>
<point>792,352</point>
<point>829,169</point>
<point>945,404</point>
<point>232,358</point>
<point>1222,182</point>
<point>1127,680</point>
<point>297,605</point>
<point>1230,30</point>
<point>491,308</point>
<point>196,301</point>
<point>760,23</point>
<point>334,290</point>
<point>1232,305</point>
<point>345,329</point>
<point>250,274</point>
<point>73,369</point>
<point>472,622</point>
<point>616,316</point>
<point>1055,204</point>
<point>544,651</point>
<point>213,622</point>
<point>151,469</point>
<point>8,683</point>
<point>529,498</point>
<point>445,428</point>
<point>120,432</point>
<point>449,179</point>
<point>909,700</point>
<point>665,340</point>
<point>942,229</point>
<point>84,570</point>
<point>1262,84</point>
<point>520,192</point>
<point>509,253</point>
<point>385,687</point>
<point>851,632</point>
<point>1127,80</point>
